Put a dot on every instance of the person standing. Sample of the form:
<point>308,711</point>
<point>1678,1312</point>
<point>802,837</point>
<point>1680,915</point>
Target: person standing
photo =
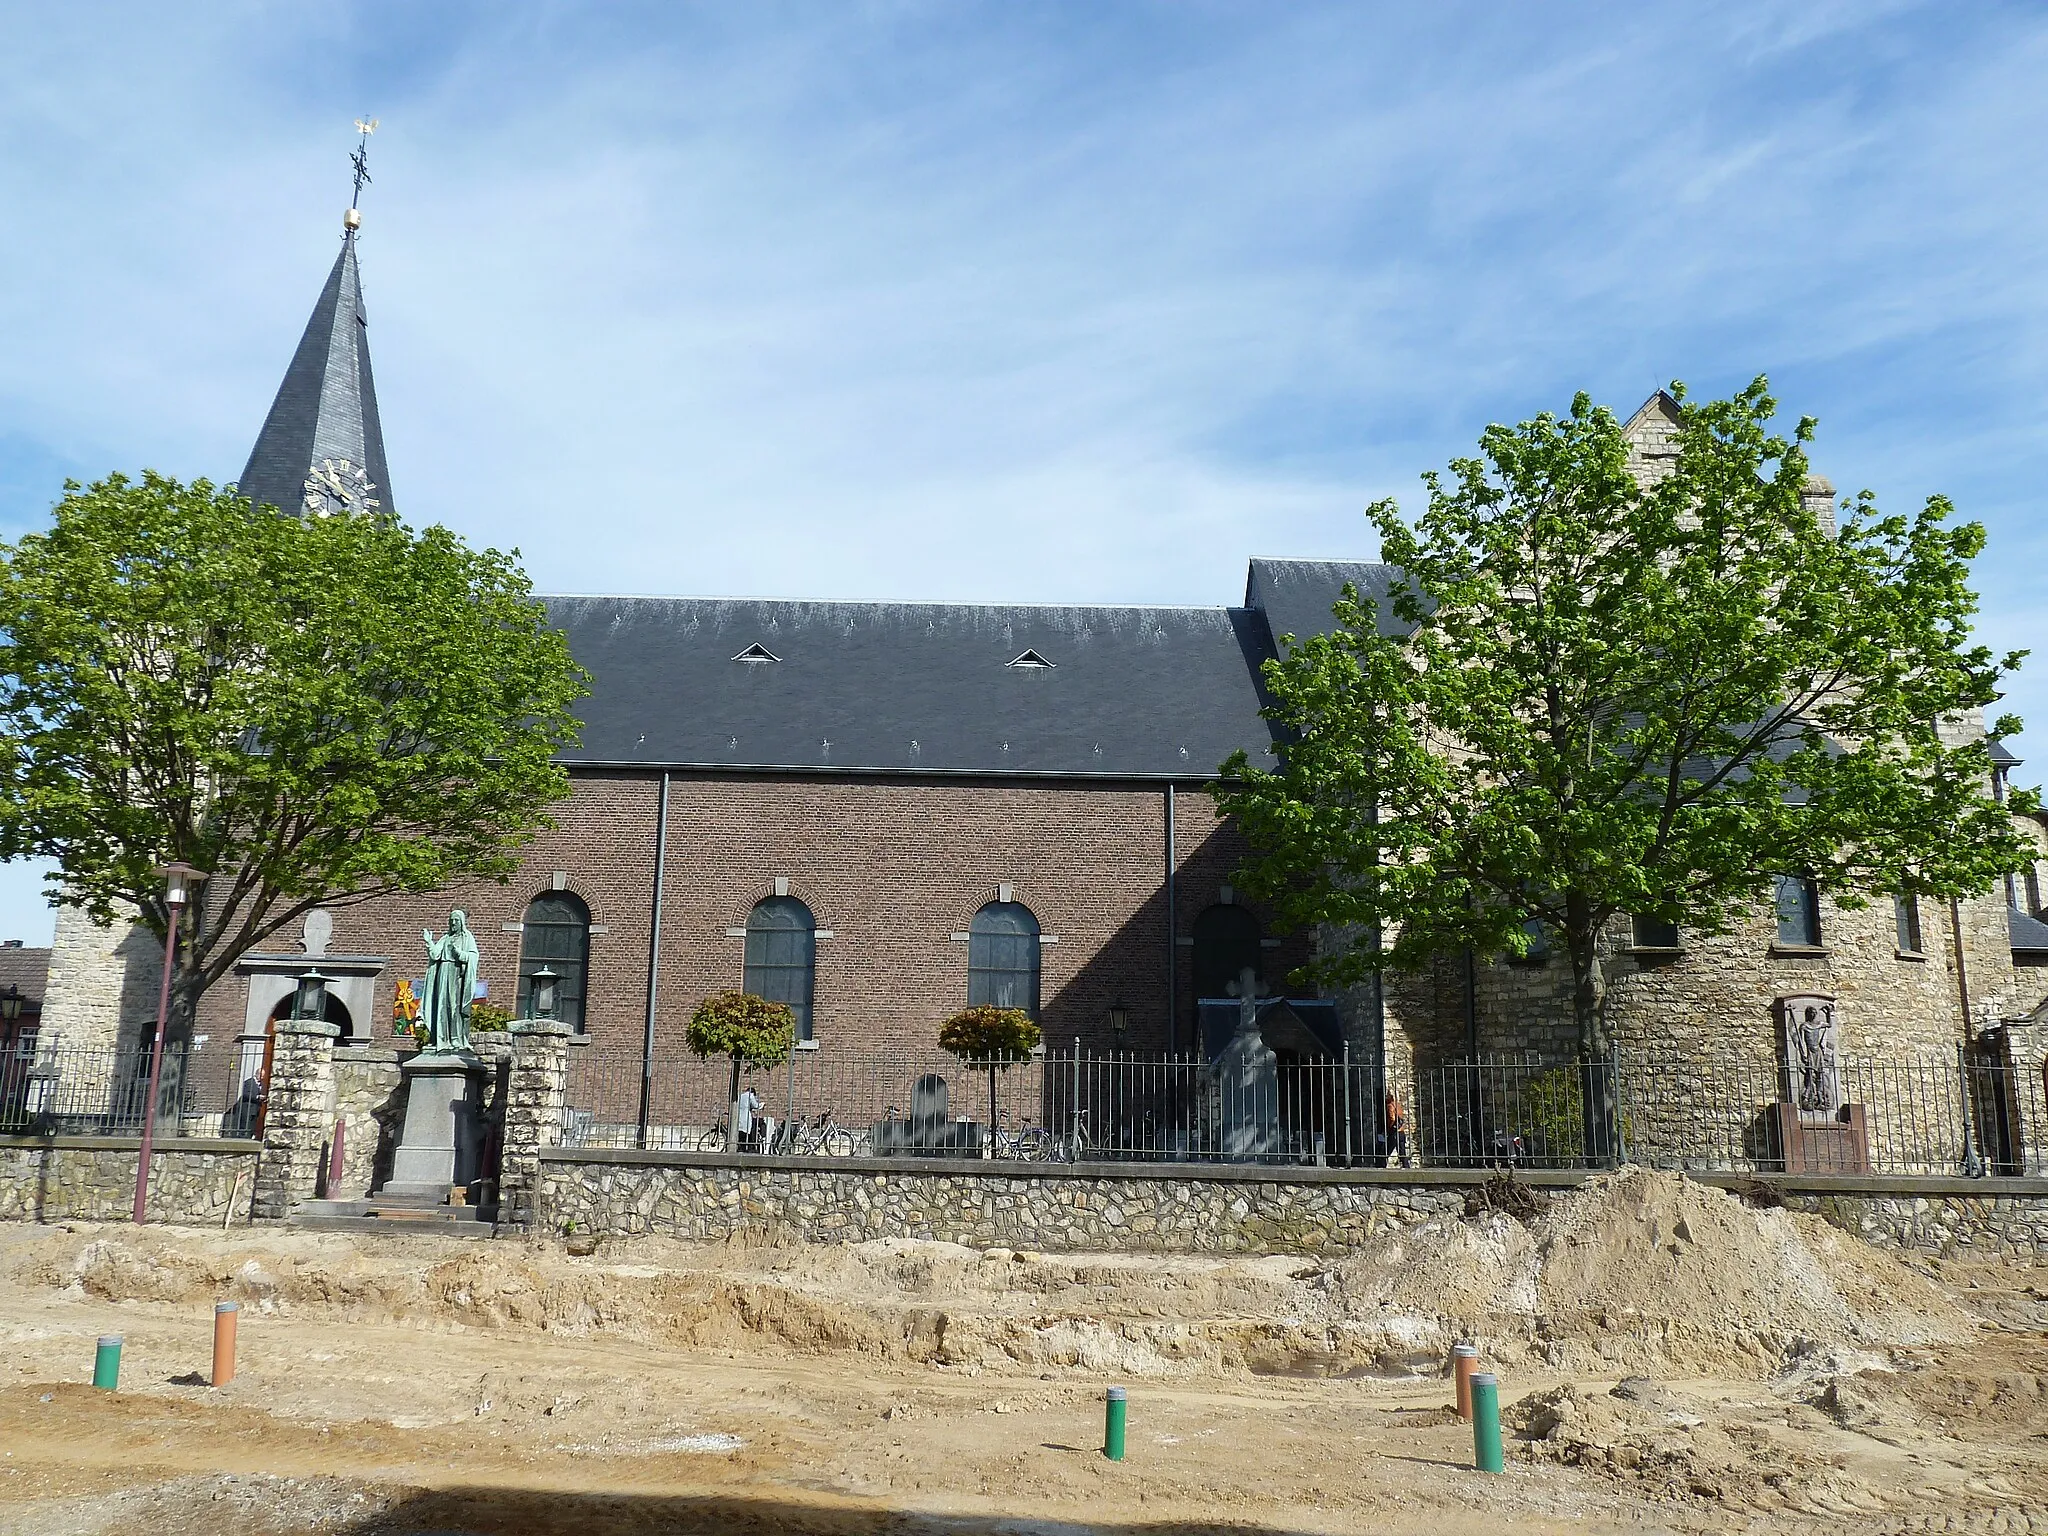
<point>1397,1130</point>
<point>746,1120</point>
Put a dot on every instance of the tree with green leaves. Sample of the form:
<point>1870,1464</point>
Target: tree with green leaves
<point>751,1031</point>
<point>993,1039</point>
<point>317,711</point>
<point>1600,690</point>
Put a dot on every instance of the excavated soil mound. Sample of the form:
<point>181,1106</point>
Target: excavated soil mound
<point>1646,1266</point>
<point>1640,1270</point>
<point>1636,1271</point>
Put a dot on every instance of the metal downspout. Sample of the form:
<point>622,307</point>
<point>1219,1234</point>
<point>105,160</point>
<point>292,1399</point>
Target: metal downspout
<point>653,965</point>
<point>1172,936</point>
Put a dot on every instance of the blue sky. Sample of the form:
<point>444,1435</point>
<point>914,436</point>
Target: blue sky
<point>1032,302</point>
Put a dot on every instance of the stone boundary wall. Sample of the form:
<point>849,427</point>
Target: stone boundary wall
<point>1951,1226</point>
<point>92,1178</point>
<point>1159,1208</point>
<point>1077,1209</point>
<point>370,1104</point>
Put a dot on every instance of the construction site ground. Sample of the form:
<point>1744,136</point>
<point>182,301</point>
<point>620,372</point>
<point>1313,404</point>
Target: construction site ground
<point>1672,1359</point>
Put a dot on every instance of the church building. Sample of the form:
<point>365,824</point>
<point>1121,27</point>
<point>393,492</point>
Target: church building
<point>880,812</point>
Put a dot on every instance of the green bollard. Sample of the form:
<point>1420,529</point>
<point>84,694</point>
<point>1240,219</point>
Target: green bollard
<point>1113,1408</point>
<point>1486,1422</point>
<point>106,1363</point>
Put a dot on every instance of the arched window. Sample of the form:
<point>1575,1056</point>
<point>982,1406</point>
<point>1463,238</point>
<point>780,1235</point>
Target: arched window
<point>556,934</point>
<point>1226,942</point>
<point>1002,957</point>
<point>782,956</point>
<point>1798,912</point>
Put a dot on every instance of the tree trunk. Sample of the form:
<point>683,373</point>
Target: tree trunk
<point>186,990</point>
<point>1602,1127</point>
<point>732,1110</point>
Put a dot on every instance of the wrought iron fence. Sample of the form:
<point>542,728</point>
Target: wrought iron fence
<point>78,1090</point>
<point>1967,1111</point>
<point>1931,1113</point>
<point>1057,1106</point>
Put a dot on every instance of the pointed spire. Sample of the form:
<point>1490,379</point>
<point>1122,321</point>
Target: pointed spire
<point>321,449</point>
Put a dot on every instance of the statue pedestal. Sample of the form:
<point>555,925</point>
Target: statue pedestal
<point>439,1144</point>
<point>1838,1143</point>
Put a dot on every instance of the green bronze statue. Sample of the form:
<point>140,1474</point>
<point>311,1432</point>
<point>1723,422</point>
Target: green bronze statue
<point>452,962</point>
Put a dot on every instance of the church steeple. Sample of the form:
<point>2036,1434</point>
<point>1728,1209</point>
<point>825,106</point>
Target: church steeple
<point>321,449</point>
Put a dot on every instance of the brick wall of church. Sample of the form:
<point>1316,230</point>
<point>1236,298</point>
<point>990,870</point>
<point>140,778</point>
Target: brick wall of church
<point>891,869</point>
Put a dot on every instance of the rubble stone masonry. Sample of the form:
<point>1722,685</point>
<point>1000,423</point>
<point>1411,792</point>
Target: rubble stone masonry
<point>1151,1210</point>
<point>90,1178</point>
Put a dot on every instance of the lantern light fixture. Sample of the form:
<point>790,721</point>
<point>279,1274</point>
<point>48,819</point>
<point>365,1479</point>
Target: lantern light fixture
<point>540,998</point>
<point>311,999</point>
<point>180,881</point>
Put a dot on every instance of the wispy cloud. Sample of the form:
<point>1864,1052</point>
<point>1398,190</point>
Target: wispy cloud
<point>1048,302</point>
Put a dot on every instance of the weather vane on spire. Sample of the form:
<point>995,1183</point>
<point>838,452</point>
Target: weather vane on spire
<point>361,161</point>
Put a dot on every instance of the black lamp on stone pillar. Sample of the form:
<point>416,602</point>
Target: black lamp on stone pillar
<point>310,1002</point>
<point>10,1006</point>
<point>540,994</point>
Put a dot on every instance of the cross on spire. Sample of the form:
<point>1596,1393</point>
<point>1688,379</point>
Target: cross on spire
<point>361,159</point>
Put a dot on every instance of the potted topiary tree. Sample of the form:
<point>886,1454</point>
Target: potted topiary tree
<point>750,1030</point>
<point>994,1039</point>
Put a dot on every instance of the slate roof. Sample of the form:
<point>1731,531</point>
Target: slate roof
<point>1130,692</point>
<point>2029,934</point>
<point>2001,754</point>
<point>326,408</point>
<point>28,969</point>
<point>1296,596</point>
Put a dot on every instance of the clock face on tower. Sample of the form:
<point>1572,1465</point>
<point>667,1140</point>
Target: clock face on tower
<point>336,485</point>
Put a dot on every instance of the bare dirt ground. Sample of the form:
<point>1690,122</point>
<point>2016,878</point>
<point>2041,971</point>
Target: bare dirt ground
<point>1675,1361</point>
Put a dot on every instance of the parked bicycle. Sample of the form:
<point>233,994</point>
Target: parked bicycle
<point>1024,1144</point>
<point>822,1136</point>
<point>1073,1146</point>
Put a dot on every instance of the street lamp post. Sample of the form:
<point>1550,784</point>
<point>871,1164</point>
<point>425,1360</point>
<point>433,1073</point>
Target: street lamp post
<point>180,880</point>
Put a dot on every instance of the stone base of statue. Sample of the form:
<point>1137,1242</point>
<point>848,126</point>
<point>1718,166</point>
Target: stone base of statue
<point>1822,1143</point>
<point>440,1145</point>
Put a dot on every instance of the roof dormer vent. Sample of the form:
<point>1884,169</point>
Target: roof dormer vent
<point>1029,659</point>
<point>757,652</point>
